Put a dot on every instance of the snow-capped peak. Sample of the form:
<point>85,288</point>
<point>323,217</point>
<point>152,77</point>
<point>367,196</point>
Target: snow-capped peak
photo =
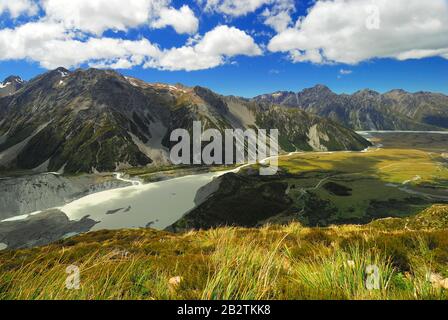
<point>4,85</point>
<point>11,80</point>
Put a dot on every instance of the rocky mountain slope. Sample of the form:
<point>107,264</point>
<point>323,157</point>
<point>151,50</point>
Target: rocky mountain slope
<point>369,110</point>
<point>94,120</point>
<point>10,85</point>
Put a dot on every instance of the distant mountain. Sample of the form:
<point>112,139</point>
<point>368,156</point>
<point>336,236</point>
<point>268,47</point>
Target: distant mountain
<point>96,120</point>
<point>367,109</point>
<point>10,85</point>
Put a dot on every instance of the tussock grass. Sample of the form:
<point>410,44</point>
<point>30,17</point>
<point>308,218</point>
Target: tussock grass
<point>242,271</point>
<point>343,275</point>
<point>273,262</point>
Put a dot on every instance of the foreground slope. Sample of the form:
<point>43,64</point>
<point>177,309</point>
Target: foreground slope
<point>274,262</point>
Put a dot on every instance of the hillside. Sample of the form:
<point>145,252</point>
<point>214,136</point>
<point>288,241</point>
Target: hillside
<point>274,262</point>
<point>367,109</point>
<point>94,120</point>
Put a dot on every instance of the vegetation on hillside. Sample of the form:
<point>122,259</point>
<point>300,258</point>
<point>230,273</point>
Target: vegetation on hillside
<point>273,262</point>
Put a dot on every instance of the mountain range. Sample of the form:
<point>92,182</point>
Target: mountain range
<point>367,109</point>
<point>100,121</point>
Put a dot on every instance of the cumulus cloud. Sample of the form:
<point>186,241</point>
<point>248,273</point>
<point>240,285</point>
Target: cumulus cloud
<point>277,13</point>
<point>278,21</point>
<point>52,46</point>
<point>101,15</point>
<point>102,52</point>
<point>16,8</point>
<point>234,8</point>
<point>70,34</point>
<point>351,31</point>
<point>183,20</point>
<point>278,17</point>
<point>20,42</point>
<point>209,51</point>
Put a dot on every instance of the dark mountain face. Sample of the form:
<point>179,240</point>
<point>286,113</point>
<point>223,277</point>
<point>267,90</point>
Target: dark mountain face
<point>369,110</point>
<point>94,120</point>
<point>10,85</point>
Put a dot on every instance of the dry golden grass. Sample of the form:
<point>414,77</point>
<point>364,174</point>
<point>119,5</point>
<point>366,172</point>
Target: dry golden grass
<point>274,262</point>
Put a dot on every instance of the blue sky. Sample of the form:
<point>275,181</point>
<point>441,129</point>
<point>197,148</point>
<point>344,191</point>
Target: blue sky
<point>245,47</point>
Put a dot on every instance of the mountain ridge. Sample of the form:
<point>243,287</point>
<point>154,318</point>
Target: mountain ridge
<point>367,109</point>
<point>99,120</point>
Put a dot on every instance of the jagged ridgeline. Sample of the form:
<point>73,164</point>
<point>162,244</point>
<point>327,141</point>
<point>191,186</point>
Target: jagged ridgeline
<point>95,120</point>
<point>10,85</point>
<point>367,109</point>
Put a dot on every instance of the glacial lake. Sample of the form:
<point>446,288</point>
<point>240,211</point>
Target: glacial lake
<point>156,205</point>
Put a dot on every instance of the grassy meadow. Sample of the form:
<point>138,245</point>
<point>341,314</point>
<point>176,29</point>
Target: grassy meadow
<point>273,262</point>
<point>353,187</point>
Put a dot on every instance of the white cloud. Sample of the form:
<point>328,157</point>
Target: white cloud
<point>210,51</point>
<point>70,33</point>
<point>278,17</point>
<point>277,13</point>
<point>230,41</point>
<point>186,58</point>
<point>277,21</point>
<point>18,43</point>
<point>52,46</point>
<point>342,31</point>
<point>49,44</point>
<point>311,55</point>
<point>345,72</point>
<point>104,52</point>
<point>17,8</point>
<point>101,15</point>
<point>182,20</point>
<point>234,8</point>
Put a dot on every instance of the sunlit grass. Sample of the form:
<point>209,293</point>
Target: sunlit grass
<point>273,262</point>
<point>242,272</point>
<point>391,165</point>
<point>344,275</point>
